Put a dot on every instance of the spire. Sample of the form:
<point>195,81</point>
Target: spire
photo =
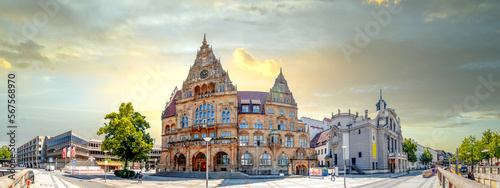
<point>204,38</point>
<point>380,94</point>
<point>281,71</point>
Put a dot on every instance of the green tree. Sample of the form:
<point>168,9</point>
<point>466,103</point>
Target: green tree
<point>426,157</point>
<point>466,149</point>
<point>5,153</point>
<point>495,145</point>
<point>126,135</point>
<point>410,148</point>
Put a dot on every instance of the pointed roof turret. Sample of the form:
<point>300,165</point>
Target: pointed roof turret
<point>204,38</point>
<point>381,105</point>
<point>280,90</point>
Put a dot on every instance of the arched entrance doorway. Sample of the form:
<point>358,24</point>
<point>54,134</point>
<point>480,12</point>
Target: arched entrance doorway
<point>180,162</point>
<point>199,162</point>
<point>221,161</point>
<point>301,169</point>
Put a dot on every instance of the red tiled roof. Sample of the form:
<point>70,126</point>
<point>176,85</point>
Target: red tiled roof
<point>327,119</point>
<point>171,109</point>
<point>319,139</point>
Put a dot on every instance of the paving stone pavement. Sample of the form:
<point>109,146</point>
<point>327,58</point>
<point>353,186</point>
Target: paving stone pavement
<point>45,179</point>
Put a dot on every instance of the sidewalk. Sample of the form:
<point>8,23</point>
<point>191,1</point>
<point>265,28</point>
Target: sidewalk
<point>47,179</point>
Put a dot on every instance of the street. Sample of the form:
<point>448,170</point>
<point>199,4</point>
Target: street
<point>59,180</point>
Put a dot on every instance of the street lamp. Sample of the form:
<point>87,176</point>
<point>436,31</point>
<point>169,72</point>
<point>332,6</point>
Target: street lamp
<point>343,148</point>
<point>105,163</point>
<point>207,139</point>
<point>489,169</point>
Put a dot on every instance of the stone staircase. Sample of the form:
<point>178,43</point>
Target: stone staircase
<point>202,175</point>
<point>357,170</point>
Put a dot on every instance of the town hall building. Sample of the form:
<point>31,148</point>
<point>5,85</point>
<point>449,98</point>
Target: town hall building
<point>252,132</point>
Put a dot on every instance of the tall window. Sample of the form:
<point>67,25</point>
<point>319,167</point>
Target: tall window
<point>292,113</point>
<point>188,94</point>
<point>265,159</point>
<point>258,140</point>
<point>244,140</point>
<point>258,125</point>
<point>276,99</point>
<point>300,155</point>
<point>283,159</point>
<point>222,87</point>
<point>289,142</point>
<point>244,108</point>
<point>184,121</point>
<point>282,112</point>
<point>270,124</point>
<point>243,124</point>
<point>205,114</point>
<point>299,129</point>
<point>270,111</point>
<point>247,159</point>
<point>166,143</point>
<point>222,159</point>
<point>256,109</point>
<point>291,126</point>
<point>303,143</point>
<point>225,134</point>
<point>282,125</point>
<point>225,116</point>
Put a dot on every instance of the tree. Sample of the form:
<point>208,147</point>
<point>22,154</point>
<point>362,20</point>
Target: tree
<point>466,149</point>
<point>426,157</point>
<point>126,135</point>
<point>5,153</point>
<point>410,148</point>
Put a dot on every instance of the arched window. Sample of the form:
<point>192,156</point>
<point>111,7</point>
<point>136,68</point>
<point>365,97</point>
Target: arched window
<point>225,116</point>
<point>265,159</point>
<point>184,122</point>
<point>204,113</point>
<point>222,159</point>
<point>247,159</point>
<point>283,159</point>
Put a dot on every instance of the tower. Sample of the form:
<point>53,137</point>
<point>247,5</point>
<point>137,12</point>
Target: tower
<point>381,105</point>
<point>206,75</point>
<point>280,92</point>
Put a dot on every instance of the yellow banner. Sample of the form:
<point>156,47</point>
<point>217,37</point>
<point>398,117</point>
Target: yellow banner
<point>374,149</point>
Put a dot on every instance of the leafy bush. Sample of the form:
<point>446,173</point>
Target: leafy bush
<point>124,173</point>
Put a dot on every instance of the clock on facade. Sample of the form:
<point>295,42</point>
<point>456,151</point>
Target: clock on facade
<point>204,74</point>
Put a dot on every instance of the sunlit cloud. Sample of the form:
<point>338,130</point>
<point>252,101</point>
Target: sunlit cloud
<point>4,64</point>
<point>382,2</point>
<point>242,58</point>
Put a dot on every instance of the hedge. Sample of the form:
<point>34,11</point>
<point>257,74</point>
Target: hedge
<point>124,173</point>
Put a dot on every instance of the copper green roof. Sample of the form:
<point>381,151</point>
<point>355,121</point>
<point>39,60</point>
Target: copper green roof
<point>274,132</point>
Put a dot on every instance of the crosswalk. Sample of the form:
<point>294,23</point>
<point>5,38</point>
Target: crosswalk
<point>47,180</point>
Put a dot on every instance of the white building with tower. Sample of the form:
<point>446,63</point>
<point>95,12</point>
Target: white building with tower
<point>374,141</point>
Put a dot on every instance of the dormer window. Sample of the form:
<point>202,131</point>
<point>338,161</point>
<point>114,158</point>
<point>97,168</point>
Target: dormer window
<point>256,109</point>
<point>244,108</point>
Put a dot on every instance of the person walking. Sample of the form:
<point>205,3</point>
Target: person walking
<point>140,177</point>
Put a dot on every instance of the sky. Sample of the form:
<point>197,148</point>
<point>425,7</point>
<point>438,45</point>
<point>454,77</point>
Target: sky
<point>437,62</point>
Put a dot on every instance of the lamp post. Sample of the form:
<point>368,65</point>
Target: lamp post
<point>207,139</point>
<point>105,163</point>
<point>343,148</point>
<point>489,169</point>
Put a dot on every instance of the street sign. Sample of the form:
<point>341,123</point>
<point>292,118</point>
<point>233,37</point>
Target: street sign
<point>73,161</point>
<point>50,160</point>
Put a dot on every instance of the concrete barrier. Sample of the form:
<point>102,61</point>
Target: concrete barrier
<point>448,179</point>
<point>20,179</point>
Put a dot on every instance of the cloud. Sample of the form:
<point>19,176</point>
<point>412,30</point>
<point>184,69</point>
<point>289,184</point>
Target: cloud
<point>4,64</point>
<point>242,58</point>
<point>25,55</point>
<point>480,65</point>
<point>382,2</point>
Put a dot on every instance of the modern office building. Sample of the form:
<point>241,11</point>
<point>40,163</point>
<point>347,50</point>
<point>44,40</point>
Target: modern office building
<point>32,153</point>
<point>252,132</point>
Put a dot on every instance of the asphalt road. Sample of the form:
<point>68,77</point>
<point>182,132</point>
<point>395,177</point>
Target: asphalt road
<point>391,182</point>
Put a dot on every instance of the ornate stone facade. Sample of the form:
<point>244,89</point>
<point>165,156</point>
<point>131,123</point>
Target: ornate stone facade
<point>252,132</point>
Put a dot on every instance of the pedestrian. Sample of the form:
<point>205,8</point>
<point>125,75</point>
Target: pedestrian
<point>140,177</point>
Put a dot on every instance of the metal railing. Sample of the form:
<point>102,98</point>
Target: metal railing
<point>448,179</point>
